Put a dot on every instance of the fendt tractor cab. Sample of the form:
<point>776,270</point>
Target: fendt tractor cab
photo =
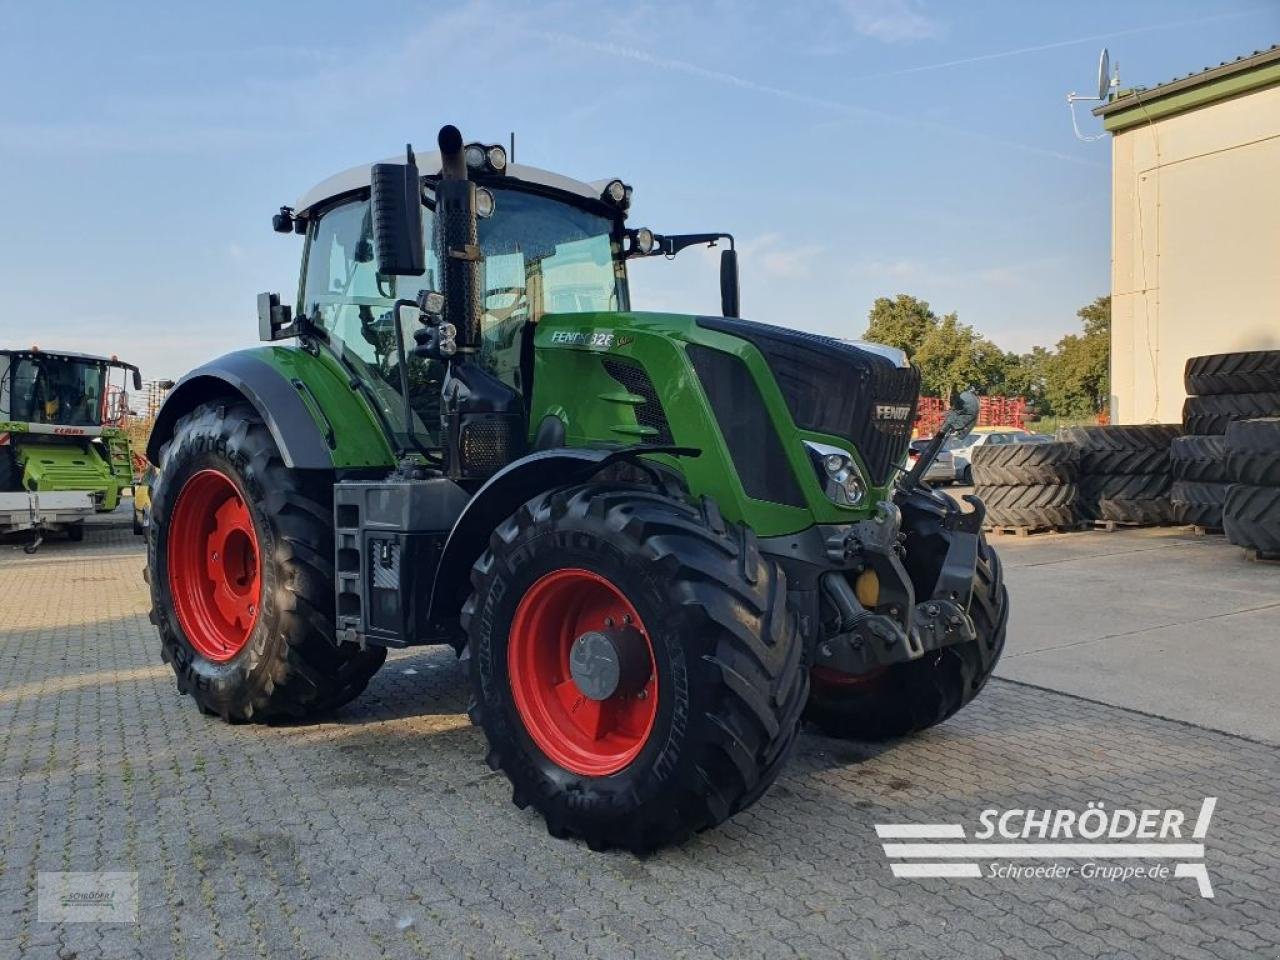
<point>660,540</point>
<point>62,419</point>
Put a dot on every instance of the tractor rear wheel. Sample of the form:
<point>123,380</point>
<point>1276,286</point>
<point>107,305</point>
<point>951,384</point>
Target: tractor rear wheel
<point>240,557</point>
<point>635,666</point>
<point>908,697</point>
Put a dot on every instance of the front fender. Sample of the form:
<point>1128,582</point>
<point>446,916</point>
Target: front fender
<point>501,495</point>
<point>316,420</point>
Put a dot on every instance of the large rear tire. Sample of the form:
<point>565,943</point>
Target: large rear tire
<point>700,723</point>
<point>240,562</point>
<point>909,697</point>
<point>1256,371</point>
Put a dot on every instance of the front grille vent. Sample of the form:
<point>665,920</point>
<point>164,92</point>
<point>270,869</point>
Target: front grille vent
<point>649,413</point>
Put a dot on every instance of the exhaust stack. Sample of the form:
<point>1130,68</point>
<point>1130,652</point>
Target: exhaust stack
<point>456,223</point>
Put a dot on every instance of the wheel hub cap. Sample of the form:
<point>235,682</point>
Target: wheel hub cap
<point>605,662</point>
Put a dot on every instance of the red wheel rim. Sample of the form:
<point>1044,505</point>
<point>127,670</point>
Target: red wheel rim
<point>593,738</point>
<point>215,574</point>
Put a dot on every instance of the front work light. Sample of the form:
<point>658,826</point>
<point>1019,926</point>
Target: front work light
<point>497,157</point>
<point>615,192</point>
<point>474,155</point>
<point>838,473</point>
<point>642,241</point>
<point>484,203</point>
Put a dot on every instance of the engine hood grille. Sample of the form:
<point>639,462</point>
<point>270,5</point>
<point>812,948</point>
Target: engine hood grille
<point>838,388</point>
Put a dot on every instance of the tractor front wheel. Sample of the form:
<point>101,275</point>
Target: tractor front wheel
<point>240,561</point>
<point>636,670</point>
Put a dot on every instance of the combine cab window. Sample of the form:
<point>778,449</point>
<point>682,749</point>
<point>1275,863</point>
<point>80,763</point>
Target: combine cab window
<point>58,391</point>
<point>344,294</point>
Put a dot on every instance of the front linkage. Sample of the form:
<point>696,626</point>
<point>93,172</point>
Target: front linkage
<point>908,628</point>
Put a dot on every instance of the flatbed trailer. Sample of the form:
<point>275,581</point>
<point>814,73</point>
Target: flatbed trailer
<point>45,512</point>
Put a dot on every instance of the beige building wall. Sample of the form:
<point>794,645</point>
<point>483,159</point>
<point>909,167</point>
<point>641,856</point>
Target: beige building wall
<point>1195,247</point>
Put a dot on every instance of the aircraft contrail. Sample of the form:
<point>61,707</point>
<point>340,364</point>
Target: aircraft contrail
<point>1001,54</point>
<point>720,76</point>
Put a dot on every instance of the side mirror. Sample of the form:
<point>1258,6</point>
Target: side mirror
<point>137,379</point>
<point>396,194</point>
<point>729,291</point>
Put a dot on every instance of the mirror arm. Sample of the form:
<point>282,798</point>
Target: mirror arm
<point>671,244</point>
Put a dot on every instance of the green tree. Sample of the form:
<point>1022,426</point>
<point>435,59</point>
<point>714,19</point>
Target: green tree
<point>1078,374</point>
<point>953,356</point>
<point>1071,380</point>
<point>902,322</point>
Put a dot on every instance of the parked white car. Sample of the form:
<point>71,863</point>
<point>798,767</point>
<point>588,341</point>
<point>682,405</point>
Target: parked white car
<point>962,447</point>
<point>942,470</point>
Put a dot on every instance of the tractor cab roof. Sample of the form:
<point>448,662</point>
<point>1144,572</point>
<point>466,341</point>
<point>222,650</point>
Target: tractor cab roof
<point>357,178</point>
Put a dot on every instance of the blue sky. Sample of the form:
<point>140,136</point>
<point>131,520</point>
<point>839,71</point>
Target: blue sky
<point>856,148</point>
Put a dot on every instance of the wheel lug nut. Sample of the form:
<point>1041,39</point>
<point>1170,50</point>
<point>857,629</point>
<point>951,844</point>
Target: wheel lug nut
<point>608,621</point>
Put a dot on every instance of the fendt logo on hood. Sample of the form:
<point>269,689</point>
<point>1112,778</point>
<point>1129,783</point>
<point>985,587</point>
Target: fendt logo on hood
<point>892,412</point>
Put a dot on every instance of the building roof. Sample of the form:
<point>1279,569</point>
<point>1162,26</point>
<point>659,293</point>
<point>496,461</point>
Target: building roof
<point>1210,85</point>
<point>357,178</point>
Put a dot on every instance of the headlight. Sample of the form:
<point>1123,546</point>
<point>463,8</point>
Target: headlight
<point>838,473</point>
<point>497,157</point>
<point>643,241</point>
<point>474,155</point>
<point>484,203</point>
<point>433,303</point>
<point>615,192</point>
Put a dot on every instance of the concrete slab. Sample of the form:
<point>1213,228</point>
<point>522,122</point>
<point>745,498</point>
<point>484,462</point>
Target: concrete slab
<point>1156,620</point>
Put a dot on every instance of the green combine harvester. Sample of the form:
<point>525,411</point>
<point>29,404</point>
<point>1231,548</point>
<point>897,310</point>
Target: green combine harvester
<point>658,540</point>
<point>64,453</point>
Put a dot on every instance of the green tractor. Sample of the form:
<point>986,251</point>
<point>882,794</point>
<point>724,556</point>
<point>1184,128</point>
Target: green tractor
<point>62,418</point>
<point>659,540</point>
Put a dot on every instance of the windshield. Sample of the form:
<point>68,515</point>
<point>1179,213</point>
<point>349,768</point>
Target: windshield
<point>540,256</point>
<point>56,390</point>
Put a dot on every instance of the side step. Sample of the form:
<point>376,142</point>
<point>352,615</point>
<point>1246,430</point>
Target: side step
<point>388,537</point>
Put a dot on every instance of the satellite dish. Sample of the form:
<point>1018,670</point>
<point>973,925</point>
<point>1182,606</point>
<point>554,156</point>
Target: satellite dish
<point>1104,74</point>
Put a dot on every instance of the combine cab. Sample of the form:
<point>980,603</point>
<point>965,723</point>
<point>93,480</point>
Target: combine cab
<point>63,450</point>
<point>659,539</point>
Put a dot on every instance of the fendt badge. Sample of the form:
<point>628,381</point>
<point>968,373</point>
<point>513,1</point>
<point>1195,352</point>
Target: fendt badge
<point>892,411</point>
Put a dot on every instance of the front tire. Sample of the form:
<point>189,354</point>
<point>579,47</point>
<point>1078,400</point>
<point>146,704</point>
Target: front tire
<point>704,731</point>
<point>240,558</point>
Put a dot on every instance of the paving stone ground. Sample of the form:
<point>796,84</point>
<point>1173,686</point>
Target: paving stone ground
<point>382,832</point>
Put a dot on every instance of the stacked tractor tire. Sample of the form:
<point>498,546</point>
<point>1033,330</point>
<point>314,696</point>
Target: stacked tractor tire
<point>1227,468</point>
<point>1031,486</point>
<point>1124,472</point>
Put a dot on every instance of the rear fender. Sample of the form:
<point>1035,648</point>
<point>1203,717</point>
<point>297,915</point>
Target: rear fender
<point>315,419</point>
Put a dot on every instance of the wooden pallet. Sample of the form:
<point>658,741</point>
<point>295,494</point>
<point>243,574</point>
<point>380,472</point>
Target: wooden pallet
<point>1004,530</point>
<point>1257,556</point>
<point>1113,525</point>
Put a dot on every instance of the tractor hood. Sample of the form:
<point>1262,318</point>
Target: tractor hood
<point>863,392</point>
